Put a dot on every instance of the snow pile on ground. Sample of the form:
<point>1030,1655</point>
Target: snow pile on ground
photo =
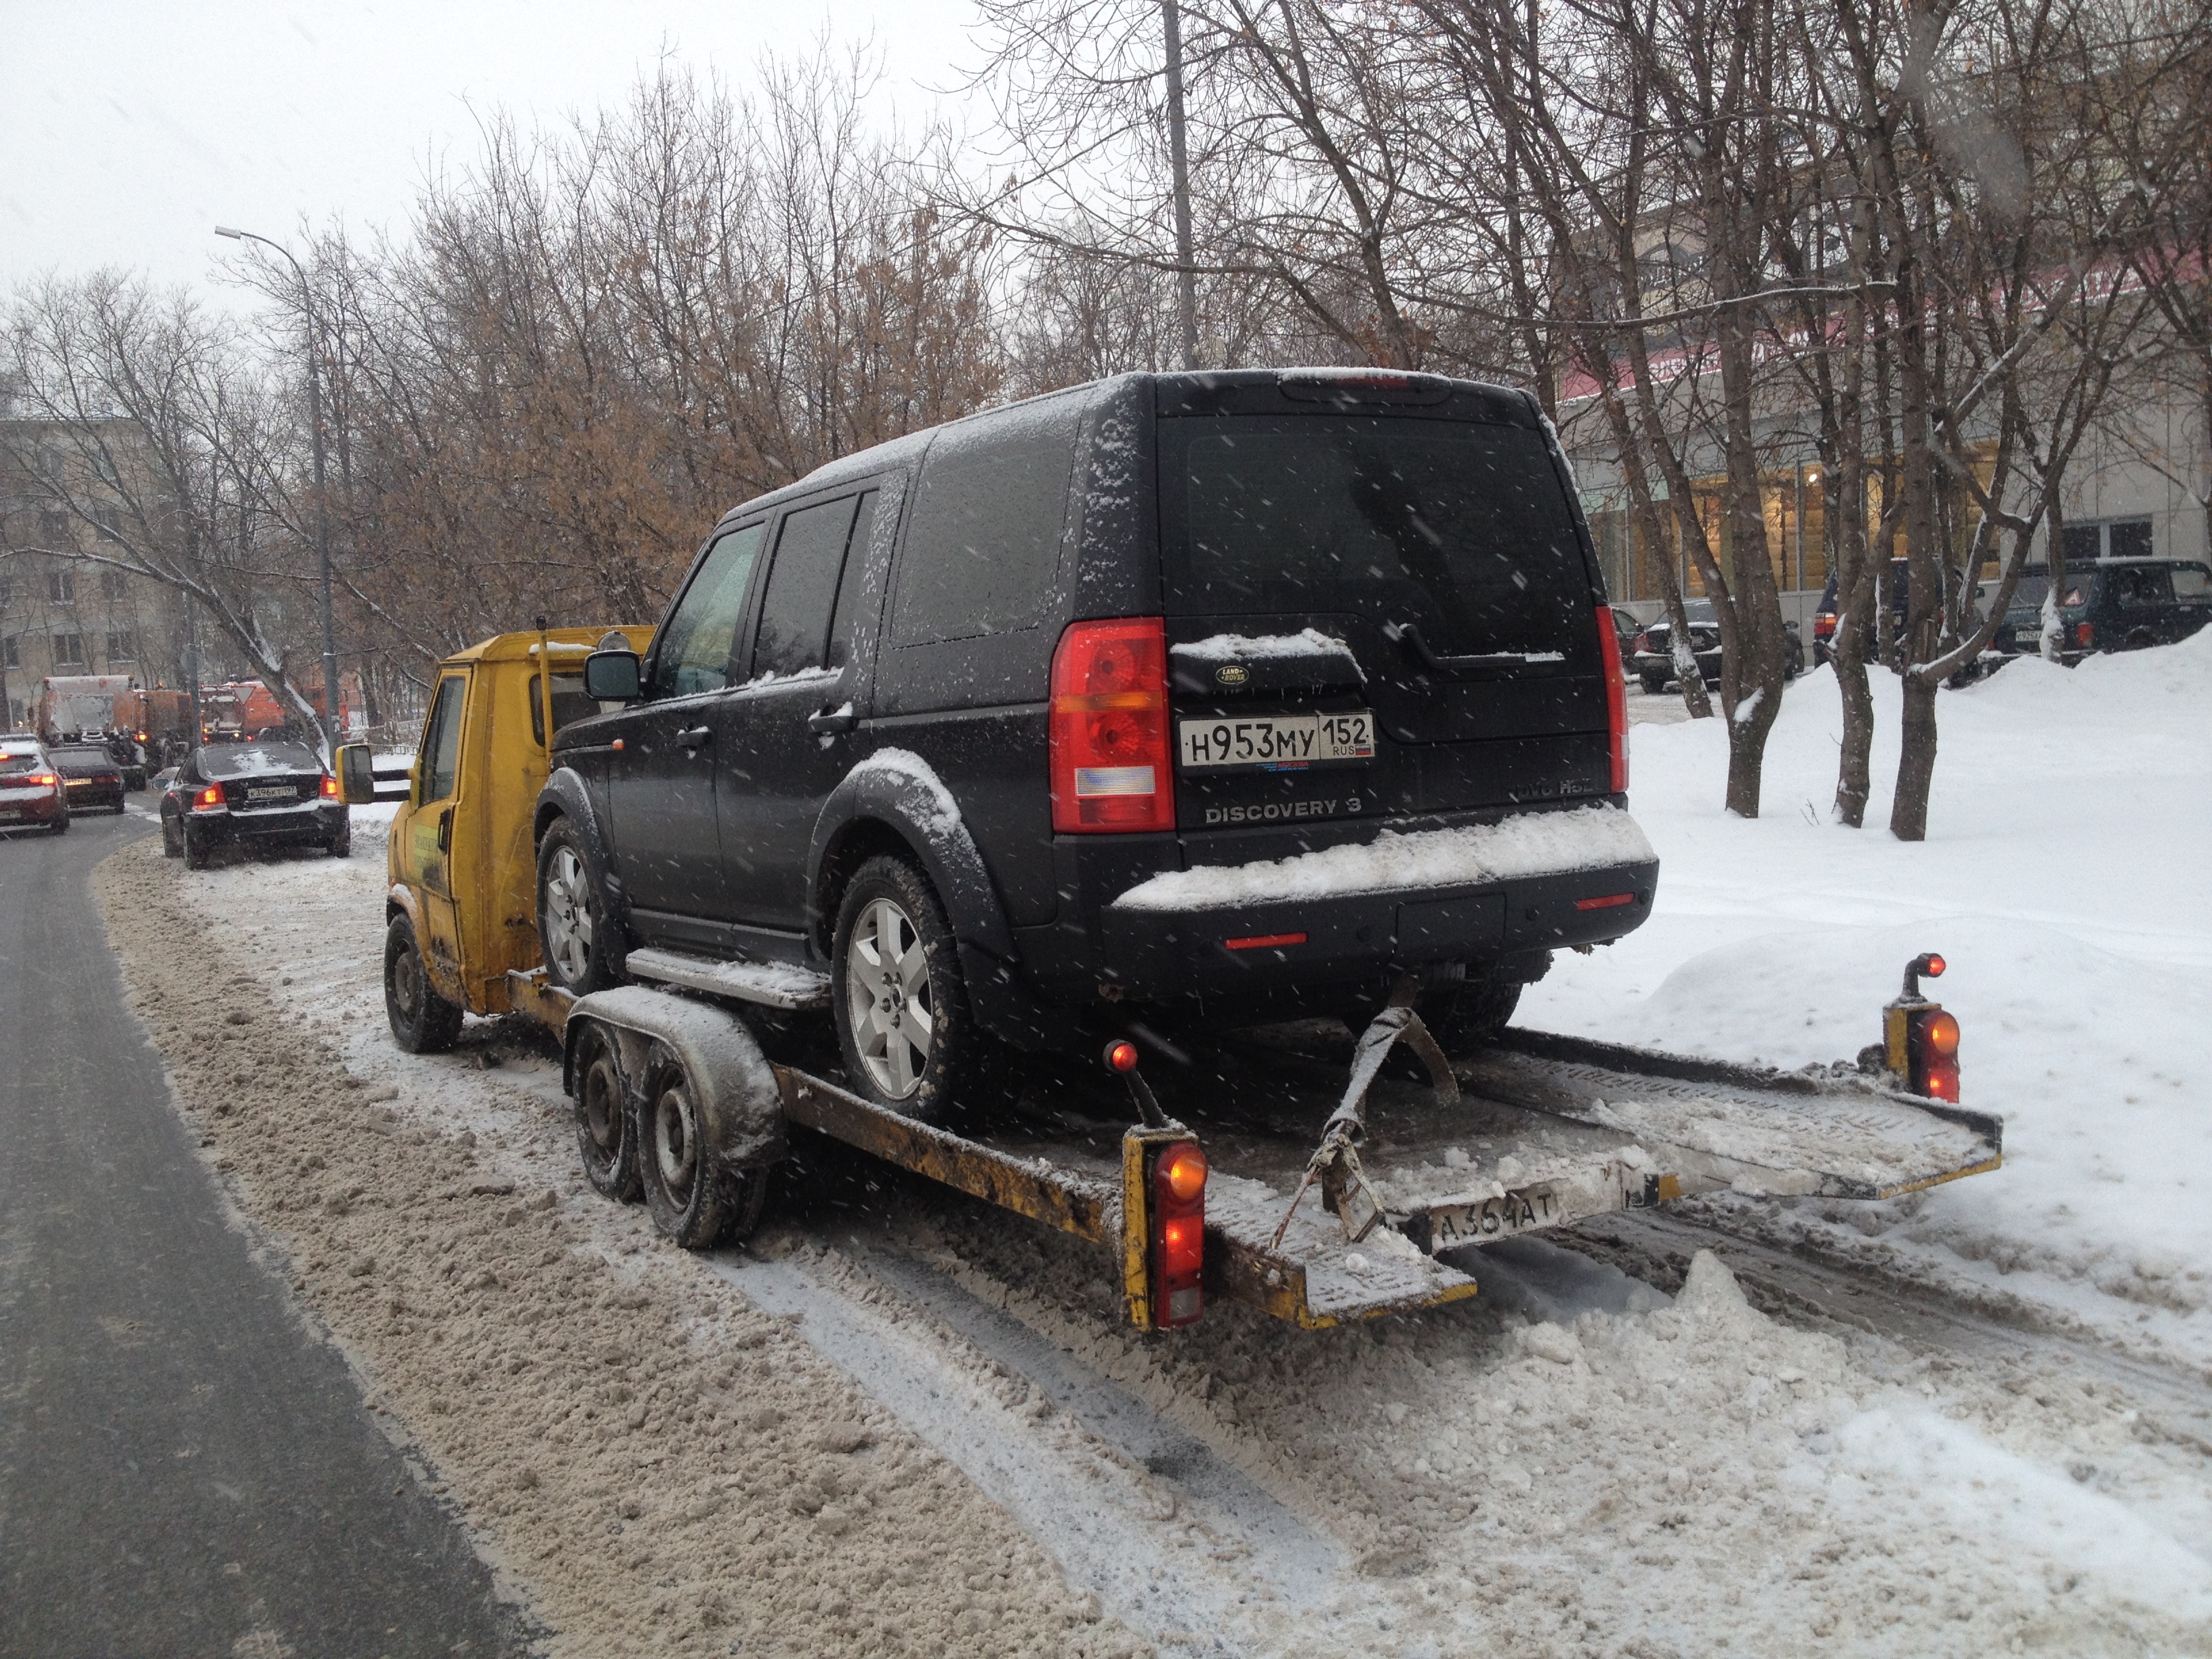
<point>2067,878</point>
<point>1529,844</point>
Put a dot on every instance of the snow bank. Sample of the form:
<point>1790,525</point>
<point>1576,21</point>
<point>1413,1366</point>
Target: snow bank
<point>2066,880</point>
<point>1531,844</point>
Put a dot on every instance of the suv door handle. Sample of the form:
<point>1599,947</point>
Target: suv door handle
<point>697,737</point>
<point>831,721</point>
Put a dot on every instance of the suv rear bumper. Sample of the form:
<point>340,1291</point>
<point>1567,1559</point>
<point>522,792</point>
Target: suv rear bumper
<point>1158,954</point>
<point>1268,943</point>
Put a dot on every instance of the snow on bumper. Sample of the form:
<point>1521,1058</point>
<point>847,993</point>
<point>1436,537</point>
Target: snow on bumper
<point>1475,893</point>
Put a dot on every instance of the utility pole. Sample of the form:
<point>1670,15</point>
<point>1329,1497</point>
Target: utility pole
<point>1179,159</point>
<point>332,731</point>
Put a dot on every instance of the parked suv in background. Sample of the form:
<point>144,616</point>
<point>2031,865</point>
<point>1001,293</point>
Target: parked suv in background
<point>1191,700</point>
<point>2115,604</point>
<point>1825,612</point>
<point>1651,657</point>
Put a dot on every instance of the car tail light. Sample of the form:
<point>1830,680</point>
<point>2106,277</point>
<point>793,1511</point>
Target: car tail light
<point>1824,625</point>
<point>330,787</point>
<point>1112,769</point>
<point>44,781</point>
<point>207,799</point>
<point>1179,1233</point>
<point>1616,699</point>
<point>2085,635</point>
<point>1641,644</point>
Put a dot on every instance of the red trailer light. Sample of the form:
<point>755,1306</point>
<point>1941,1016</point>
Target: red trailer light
<point>1121,1055</point>
<point>1112,766</point>
<point>1178,1233</point>
<point>1932,1043</point>
<point>1616,697</point>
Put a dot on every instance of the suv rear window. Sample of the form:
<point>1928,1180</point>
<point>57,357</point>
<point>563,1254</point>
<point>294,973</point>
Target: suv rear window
<point>1459,528</point>
<point>18,761</point>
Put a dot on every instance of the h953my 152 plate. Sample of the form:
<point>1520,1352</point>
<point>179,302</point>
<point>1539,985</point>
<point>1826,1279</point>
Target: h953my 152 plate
<point>1218,746</point>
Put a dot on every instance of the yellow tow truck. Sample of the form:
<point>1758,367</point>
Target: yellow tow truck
<point>1317,1202</point>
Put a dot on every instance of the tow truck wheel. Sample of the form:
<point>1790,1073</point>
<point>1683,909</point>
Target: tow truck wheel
<point>1466,1017</point>
<point>694,1198</point>
<point>903,1026</point>
<point>423,1021</point>
<point>572,922</point>
<point>606,1133</point>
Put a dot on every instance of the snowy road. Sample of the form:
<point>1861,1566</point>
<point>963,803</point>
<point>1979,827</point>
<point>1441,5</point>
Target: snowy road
<point>1574,1463</point>
<point>184,1467</point>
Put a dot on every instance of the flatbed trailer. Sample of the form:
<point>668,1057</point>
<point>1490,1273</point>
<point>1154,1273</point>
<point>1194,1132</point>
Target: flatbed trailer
<point>1540,1130</point>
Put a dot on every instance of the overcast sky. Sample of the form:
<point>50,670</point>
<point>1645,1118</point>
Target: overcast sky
<point>128,130</point>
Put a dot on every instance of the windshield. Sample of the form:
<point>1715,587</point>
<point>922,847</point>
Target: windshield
<point>2035,584</point>
<point>242,759</point>
<point>1461,528</point>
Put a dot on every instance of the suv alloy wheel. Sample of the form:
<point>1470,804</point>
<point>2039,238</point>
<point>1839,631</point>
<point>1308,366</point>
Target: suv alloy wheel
<point>572,922</point>
<point>903,1025</point>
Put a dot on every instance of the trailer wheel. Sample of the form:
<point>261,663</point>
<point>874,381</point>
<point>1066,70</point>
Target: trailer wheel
<point>904,1028</point>
<point>572,919</point>
<point>606,1130</point>
<point>1466,1017</point>
<point>423,1021</point>
<point>694,1197</point>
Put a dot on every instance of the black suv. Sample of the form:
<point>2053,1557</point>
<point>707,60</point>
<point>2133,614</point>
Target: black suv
<point>1185,701</point>
<point>2114,604</point>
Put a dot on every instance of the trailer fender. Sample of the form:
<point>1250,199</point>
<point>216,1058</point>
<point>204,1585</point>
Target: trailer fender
<point>899,790</point>
<point>740,1106</point>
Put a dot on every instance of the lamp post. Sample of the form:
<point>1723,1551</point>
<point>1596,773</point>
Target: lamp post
<point>330,728</point>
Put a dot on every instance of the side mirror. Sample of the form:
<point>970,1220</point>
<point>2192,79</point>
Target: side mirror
<point>356,775</point>
<point>611,677</point>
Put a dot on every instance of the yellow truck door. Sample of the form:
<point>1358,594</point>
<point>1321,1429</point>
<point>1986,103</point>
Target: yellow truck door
<point>426,837</point>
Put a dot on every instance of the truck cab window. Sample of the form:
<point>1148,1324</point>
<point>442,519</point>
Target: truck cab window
<point>442,741</point>
<point>693,654</point>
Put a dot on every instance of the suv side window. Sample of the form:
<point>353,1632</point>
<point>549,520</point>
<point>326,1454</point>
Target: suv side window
<point>2142,589</point>
<point>845,627</point>
<point>441,740</point>
<point>982,540</point>
<point>693,652</point>
<point>802,589</point>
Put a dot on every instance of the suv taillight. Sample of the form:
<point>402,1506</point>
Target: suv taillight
<point>1112,768</point>
<point>2085,635</point>
<point>1616,698</point>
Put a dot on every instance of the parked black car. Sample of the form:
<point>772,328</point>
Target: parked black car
<point>31,790</point>
<point>1652,660</point>
<point>89,774</point>
<point>1096,708</point>
<point>257,794</point>
<point>2115,604</point>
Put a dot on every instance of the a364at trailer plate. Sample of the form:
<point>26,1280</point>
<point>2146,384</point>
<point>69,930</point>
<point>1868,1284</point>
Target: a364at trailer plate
<point>1220,745</point>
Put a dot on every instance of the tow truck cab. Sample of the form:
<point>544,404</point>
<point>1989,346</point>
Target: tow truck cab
<point>462,854</point>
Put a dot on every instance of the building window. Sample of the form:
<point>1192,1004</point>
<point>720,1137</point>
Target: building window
<point>2114,538</point>
<point>122,647</point>
<point>112,584</point>
<point>110,523</point>
<point>61,587</point>
<point>11,653</point>
<point>68,650</point>
<point>53,526</point>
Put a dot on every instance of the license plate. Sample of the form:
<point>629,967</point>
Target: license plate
<point>1275,740</point>
<point>272,791</point>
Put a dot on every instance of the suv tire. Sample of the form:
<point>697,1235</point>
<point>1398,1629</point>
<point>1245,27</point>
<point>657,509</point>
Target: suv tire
<point>423,1021</point>
<point>694,1197</point>
<point>1466,1018</point>
<point>908,1039</point>
<point>571,912</point>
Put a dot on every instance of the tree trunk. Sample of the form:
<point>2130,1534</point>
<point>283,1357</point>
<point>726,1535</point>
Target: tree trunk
<point>1915,762</point>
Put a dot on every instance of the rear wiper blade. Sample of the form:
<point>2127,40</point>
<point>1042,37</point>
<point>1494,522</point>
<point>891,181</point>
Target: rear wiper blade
<point>1409,635</point>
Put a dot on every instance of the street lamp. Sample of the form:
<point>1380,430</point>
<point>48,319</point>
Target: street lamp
<point>330,732</point>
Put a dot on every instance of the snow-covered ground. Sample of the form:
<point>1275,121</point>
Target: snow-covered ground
<point>1575,1463</point>
<point>2067,880</point>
